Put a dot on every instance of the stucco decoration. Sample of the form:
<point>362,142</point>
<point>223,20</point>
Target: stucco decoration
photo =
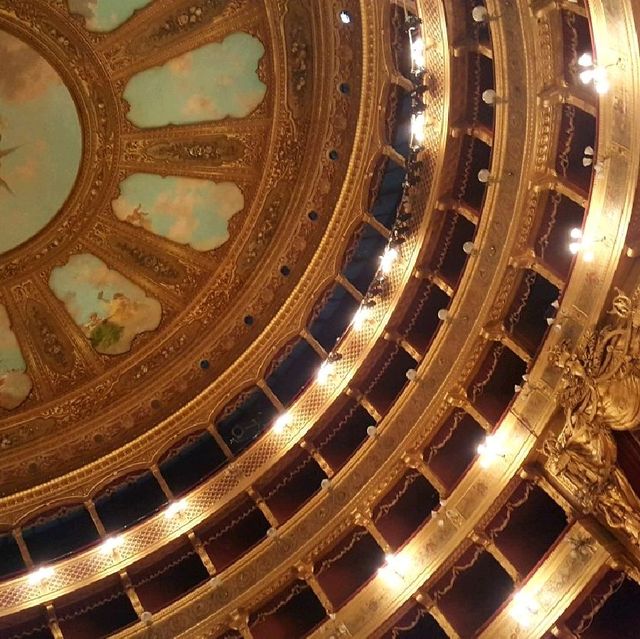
<point>40,142</point>
<point>106,15</point>
<point>184,210</point>
<point>600,393</point>
<point>110,309</point>
<point>216,81</point>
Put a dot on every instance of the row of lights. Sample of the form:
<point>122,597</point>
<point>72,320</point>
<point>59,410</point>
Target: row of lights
<point>392,252</point>
<point>395,566</point>
<point>109,547</point>
<point>524,607</point>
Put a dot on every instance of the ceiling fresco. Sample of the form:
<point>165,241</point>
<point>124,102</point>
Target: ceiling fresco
<point>213,82</point>
<point>184,210</point>
<point>106,15</point>
<point>205,154</point>
<point>15,384</point>
<point>40,142</point>
<point>110,309</point>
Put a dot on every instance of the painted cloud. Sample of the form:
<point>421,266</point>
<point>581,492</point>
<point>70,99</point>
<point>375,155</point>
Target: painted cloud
<point>105,15</point>
<point>184,210</point>
<point>213,82</point>
<point>110,309</point>
<point>15,384</point>
<point>40,143</point>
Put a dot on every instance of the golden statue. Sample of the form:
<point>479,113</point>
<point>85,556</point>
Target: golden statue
<point>600,392</point>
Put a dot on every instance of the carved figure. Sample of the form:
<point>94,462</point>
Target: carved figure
<point>600,393</point>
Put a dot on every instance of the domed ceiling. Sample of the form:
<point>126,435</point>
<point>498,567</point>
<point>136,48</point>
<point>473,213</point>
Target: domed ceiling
<point>319,318</point>
<point>168,172</point>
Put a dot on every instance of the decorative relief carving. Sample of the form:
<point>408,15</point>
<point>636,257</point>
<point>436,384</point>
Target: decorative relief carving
<point>174,26</point>
<point>300,51</point>
<point>600,393</point>
<point>210,150</point>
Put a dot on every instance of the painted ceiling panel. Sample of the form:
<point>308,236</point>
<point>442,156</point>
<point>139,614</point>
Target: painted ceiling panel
<point>109,308</point>
<point>106,15</point>
<point>15,384</point>
<point>184,210</point>
<point>213,82</point>
<point>40,142</point>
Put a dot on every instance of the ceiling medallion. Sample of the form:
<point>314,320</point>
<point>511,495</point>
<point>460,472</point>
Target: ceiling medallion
<point>189,213</point>
<point>40,142</point>
<point>59,127</point>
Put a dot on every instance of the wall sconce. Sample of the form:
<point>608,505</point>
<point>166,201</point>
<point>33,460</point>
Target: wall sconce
<point>594,74</point>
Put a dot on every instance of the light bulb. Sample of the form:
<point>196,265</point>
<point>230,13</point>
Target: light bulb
<point>412,374</point>
<point>484,175</point>
<point>175,508</point>
<point>394,568</point>
<point>443,314</point>
<point>524,608</point>
<point>281,423</point>
<point>575,233</point>
<point>574,247</point>
<point>372,431</point>
<point>361,316</point>
<point>324,372</point>
<point>40,575</point>
<point>489,96</point>
<point>585,60</point>
<point>387,260</point>
<point>418,127</point>
<point>109,545</point>
<point>489,451</point>
<point>603,86</point>
<point>468,247</point>
<point>417,53</point>
<point>480,14</point>
<point>586,76</point>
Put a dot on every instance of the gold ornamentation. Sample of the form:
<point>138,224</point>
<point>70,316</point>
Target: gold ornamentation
<point>600,393</point>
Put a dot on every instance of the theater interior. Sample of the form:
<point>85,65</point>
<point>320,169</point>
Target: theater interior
<point>319,319</point>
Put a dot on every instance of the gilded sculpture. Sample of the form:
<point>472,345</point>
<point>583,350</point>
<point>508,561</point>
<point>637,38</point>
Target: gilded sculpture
<point>600,393</point>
